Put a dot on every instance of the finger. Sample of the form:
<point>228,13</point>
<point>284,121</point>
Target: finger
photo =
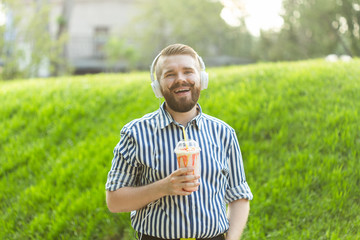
<point>182,171</point>
<point>191,184</point>
<point>190,170</point>
<point>191,177</point>
<point>178,180</point>
<point>191,189</point>
<point>185,184</point>
<point>184,193</point>
<point>188,178</point>
<point>187,187</point>
<point>183,179</point>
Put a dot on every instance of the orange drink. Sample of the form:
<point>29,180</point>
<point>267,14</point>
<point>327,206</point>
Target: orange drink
<point>188,154</point>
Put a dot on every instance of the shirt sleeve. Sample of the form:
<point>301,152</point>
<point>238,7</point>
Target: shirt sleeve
<point>124,168</point>
<point>237,187</point>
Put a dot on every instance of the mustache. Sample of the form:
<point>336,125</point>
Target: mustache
<point>177,85</point>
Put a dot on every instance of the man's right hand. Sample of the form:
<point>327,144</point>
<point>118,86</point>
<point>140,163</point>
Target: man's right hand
<point>126,199</point>
<point>176,182</point>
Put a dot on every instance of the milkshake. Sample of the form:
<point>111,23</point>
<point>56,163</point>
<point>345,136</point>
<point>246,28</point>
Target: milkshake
<point>188,154</point>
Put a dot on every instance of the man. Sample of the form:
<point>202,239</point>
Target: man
<point>144,177</point>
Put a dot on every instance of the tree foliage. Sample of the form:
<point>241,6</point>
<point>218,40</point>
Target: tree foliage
<point>27,45</point>
<point>196,23</point>
<point>311,29</point>
<point>117,50</point>
<point>314,28</point>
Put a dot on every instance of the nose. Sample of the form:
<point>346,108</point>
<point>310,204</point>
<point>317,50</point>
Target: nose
<point>181,77</point>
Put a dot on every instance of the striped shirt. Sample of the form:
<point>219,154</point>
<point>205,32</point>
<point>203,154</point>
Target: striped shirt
<point>145,154</point>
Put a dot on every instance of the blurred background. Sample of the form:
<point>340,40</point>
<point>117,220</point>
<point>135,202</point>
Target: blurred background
<point>43,38</point>
<point>297,122</point>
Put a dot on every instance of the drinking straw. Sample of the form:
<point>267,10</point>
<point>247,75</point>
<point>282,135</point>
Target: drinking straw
<point>185,137</point>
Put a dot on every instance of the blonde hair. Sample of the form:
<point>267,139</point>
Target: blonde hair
<point>175,49</point>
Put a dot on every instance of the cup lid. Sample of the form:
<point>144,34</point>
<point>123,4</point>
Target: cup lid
<point>189,145</point>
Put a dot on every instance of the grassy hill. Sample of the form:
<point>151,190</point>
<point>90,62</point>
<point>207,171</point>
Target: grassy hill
<point>298,125</point>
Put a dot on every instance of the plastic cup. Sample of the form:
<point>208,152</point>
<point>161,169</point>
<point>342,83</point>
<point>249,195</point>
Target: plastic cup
<point>188,154</point>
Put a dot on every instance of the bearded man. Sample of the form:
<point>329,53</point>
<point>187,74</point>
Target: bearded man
<point>167,201</point>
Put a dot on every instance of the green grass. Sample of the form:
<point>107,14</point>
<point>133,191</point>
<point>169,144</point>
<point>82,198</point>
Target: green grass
<point>298,125</point>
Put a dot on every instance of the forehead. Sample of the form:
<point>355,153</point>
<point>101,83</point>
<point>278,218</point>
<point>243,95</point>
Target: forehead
<point>177,61</point>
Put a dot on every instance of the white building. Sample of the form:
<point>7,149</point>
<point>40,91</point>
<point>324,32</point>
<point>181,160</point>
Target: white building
<point>90,24</point>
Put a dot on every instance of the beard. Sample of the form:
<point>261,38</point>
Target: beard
<point>181,104</point>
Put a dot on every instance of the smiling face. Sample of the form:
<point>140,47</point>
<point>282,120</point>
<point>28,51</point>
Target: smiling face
<point>180,82</point>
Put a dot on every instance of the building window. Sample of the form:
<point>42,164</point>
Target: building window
<point>101,35</point>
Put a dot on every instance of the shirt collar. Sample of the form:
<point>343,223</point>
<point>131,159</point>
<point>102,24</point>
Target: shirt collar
<point>166,119</point>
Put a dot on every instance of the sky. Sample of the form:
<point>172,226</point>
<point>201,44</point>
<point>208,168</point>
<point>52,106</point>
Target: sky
<point>259,14</point>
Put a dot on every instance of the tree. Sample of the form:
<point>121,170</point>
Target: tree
<point>30,48</point>
<point>314,28</point>
<point>349,18</point>
<point>196,23</point>
<point>61,67</point>
<point>117,50</point>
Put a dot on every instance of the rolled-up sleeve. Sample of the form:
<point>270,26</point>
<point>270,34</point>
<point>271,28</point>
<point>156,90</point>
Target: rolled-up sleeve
<point>124,168</point>
<point>238,188</point>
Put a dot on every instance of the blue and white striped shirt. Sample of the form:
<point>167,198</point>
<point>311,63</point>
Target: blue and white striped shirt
<point>145,154</point>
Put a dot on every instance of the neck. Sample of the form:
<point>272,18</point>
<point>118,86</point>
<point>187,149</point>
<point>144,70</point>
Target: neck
<point>183,117</point>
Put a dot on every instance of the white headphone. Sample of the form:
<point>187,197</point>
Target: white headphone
<point>204,77</point>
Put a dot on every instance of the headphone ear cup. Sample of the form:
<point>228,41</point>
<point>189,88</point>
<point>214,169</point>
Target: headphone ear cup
<point>156,88</point>
<point>204,78</point>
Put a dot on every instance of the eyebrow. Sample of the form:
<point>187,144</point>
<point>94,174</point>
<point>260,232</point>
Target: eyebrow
<point>189,68</point>
<point>184,68</point>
